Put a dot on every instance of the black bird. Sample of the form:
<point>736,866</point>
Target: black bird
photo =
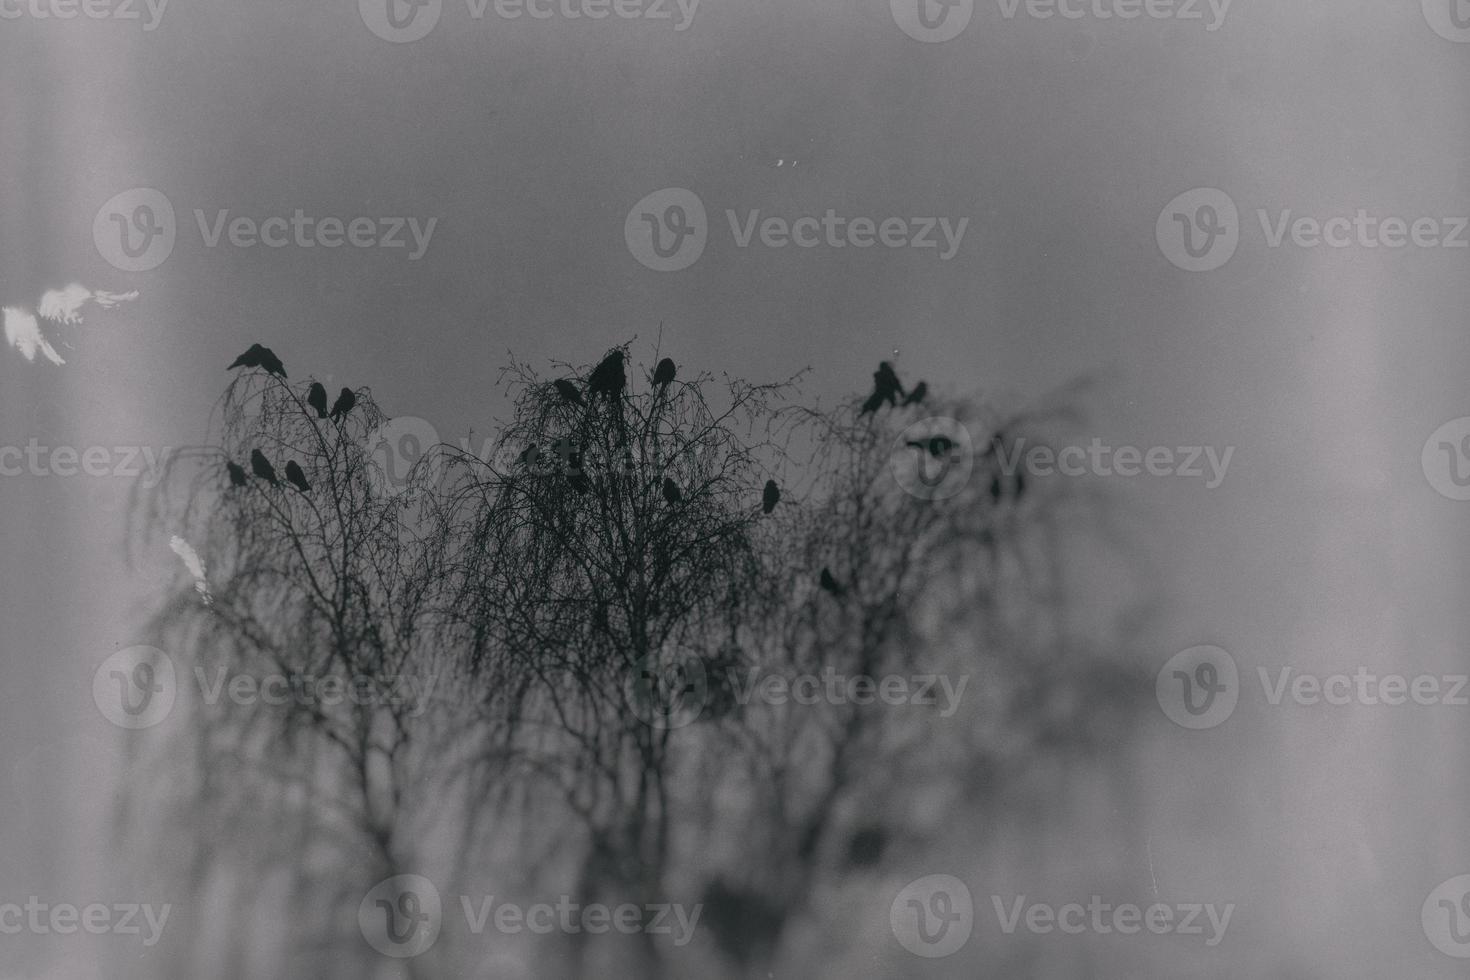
<point>871,405</point>
<point>830,584</point>
<point>317,399</point>
<point>569,391</point>
<point>770,497</point>
<point>917,396</point>
<point>886,384</point>
<point>262,467</point>
<point>296,478</point>
<point>261,357</point>
<point>344,403</point>
<point>237,474</point>
<point>663,375</point>
<point>672,494</point>
<point>608,378</point>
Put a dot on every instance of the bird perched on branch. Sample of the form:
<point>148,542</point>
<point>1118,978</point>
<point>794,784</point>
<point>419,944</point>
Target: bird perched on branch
<point>663,375</point>
<point>918,394</point>
<point>770,496</point>
<point>886,388</point>
<point>568,391</point>
<point>344,403</point>
<point>672,494</point>
<point>262,467</point>
<point>295,477</point>
<point>316,397</point>
<point>608,378</point>
<point>237,474</point>
<point>261,357</point>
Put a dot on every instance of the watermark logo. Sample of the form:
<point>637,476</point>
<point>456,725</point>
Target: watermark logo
<point>91,9</point>
<point>142,463</point>
<point>1104,918</point>
<point>932,21</point>
<point>1199,687</point>
<point>135,230</point>
<point>1445,917</point>
<point>135,688</point>
<point>401,916</point>
<point>668,692</point>
<point>667,230</point>
<point>396,447</point>
<point>543,918</point>
<point>1450,19</point>
<point>1199,230</point>
<point>1446,459</point>
<point>933,458</point>
<point>933,916</point>
<point>400,21</point>
<point>98,919</point>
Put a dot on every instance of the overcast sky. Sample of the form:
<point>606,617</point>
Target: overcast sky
<point>1057,141</point>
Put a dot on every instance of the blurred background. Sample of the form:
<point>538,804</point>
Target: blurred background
<point>1328,546</point>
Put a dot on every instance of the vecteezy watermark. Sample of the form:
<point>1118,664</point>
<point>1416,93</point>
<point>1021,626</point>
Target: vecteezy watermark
<point>933,916</point>
<point>135,688</point>
<point>671,692</point>
<point>86,9</point>
<point>1200,230</point>
<point>668,230</point>
<point>40,918</point>
<point>130,462</point>
<point>1450,19</point>
<point>403,916</point>
<point>1445,917</point>
<point>1200,687</point>
<point>136,230</point>
<point>1099,459</point>
<point>933,458</point>
<point>401,21</point>
<point>138,687</point>
<point>1104,918</point>
<point>310,690</point>
<point>400,450</point>
<point>1445,459</point>
<point>935,21</point>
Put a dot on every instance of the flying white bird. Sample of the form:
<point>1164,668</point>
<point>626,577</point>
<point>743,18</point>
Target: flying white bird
<point>23,330</point>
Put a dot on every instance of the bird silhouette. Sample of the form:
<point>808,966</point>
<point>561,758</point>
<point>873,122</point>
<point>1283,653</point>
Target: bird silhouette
<point>569,391</point>
<point>237,474</point>
<point>344,403</point>
<point>871,405</point>
<point>770,496</point>
<point>663,375</point>
<point>296,478</point>
<point>262,467</point>
<point>830,584</point>
<point>917,396</point>
<point>672,494</point>
<point>261,357</point>
<point>316,397</point>
<point>608,378</point>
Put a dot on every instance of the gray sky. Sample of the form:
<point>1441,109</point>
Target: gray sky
<point>1060,140</point>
